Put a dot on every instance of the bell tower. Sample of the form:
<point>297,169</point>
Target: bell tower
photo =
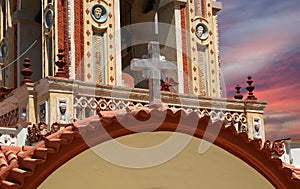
<point>188,35</point>
<point>197,47</point>
<point>100,39</point>
<point>20,37</point>
<point>204,46</point>
<point>82,53</point>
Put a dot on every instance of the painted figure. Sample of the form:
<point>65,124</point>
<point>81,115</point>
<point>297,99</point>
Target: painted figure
<point>199,31</point>
<point>97,12</point>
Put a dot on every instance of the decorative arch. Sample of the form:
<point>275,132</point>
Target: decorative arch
<point>32,166</point>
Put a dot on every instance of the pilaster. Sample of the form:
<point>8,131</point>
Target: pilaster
<point>204,66</point>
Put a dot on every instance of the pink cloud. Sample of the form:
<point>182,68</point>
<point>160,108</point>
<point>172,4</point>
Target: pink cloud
<point>263,40</point>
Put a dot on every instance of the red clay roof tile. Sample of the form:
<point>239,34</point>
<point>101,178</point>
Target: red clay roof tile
<point>27,167</point>
<point>295,170</point>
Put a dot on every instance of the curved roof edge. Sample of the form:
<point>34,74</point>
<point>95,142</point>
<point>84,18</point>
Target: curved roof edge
<point>28,167</point>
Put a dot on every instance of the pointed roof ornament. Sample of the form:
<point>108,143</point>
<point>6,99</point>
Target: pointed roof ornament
<point>26,71</point>
<point>238,94</point>
<point>250,89</point>
<point>61,72</point>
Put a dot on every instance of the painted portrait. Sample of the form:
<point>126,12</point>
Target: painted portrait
<point>98,13</point>
<point>201,31</point>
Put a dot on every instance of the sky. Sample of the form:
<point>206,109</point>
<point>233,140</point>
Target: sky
<point>262,38</point>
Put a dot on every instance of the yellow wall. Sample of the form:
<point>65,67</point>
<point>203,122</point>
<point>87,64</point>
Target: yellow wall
<point>215,168</point>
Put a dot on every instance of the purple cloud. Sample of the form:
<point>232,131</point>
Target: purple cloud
<point>262,38</point>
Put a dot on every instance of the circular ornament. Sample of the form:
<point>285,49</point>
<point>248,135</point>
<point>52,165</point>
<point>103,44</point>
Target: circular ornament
<point>48,19</point>
<point>201,31</point>
<point>99,13</point>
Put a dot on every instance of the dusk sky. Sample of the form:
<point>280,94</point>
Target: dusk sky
<point>262,38</point>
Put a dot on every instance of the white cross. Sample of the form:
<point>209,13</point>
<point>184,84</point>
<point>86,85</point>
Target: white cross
<point>154,65</point>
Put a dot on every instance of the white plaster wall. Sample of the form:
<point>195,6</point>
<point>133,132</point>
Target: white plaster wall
<point>21,137</point>
<point>292,152</point>
<point>296,156</point>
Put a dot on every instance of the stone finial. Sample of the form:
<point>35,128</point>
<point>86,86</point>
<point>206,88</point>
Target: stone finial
<point>238,94</point>
<point>38,132</point>
<point>26,71</point>
<point>61,72</point>
<point>250,89</point>
<point>267,145</point>
<point>55,127</point>
<point>276,147</point>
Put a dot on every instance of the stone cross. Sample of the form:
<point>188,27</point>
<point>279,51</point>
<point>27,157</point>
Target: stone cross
<point>154,65</point>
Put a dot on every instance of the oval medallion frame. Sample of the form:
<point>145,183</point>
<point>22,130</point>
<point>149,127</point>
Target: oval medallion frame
<point>103,14</point>
<point>203,35</point>
<point>48,18</point>
<point>3,50</point>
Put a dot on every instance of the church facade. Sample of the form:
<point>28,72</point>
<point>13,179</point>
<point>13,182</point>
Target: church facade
<point>65,64</point>
<point>96,50</point>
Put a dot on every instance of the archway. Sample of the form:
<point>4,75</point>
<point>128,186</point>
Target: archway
<point>41,161</point>
<point>215,168</point>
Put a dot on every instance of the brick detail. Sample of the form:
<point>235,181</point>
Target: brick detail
<point>204,8</point>
<point>184,49</point>
<point>79,40</point>
<point>62,30</point>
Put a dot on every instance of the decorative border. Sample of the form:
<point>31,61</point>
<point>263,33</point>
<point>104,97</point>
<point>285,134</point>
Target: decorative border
<point>10,118</point>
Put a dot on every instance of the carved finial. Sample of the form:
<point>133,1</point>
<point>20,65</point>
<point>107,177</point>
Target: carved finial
<point>55,127</point>
<point>238,94</point>
<point>61,72</point>
<point>250,88</point>
<point>278,148</point>
<point>26,71</point>
<point>39,132</point>
<point>267,145</point>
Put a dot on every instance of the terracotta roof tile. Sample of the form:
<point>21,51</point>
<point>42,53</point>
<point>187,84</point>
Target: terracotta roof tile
<point>295,170</point>
<point>27,167</point>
